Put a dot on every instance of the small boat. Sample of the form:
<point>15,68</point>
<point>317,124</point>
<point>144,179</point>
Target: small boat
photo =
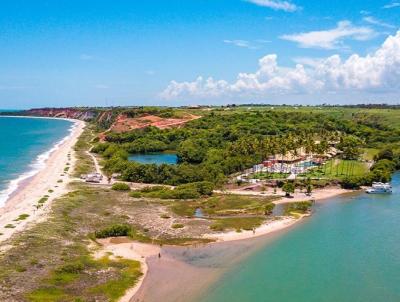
<point>379,188</point>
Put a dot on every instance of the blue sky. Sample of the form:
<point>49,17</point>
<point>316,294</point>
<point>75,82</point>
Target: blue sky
<point>66,53</point>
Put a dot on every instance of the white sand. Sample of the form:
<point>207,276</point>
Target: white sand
<point>26,197</point>
<point>130,250</point>
<point>264,229</point>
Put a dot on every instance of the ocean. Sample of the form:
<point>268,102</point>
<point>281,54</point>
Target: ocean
<point>25,144</point>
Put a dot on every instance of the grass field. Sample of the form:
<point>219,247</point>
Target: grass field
<point>369,153</point>
<point>338,168</point>
<point>237,223</point>
<point>223,205</point>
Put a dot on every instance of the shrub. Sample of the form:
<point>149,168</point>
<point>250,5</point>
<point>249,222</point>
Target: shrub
<point>288,188</point>
<point>177,226</point>
<point>185,193</point>
<point>120,186</point>
<point>21,217</point>
<point>152,189</point>
<point>135,194</point>
<point>72,268</point>
<point>269,207</point>
<point>115,230</point>
<point>298,207</point>
<point>42,200</point>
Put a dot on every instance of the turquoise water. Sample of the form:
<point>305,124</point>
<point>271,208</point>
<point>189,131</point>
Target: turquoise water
<point>348,251</point>
<point>24,147</point>
<point>155,158</point>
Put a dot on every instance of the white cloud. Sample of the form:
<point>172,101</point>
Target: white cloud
<point>306,61</point>
<point>256,44</point>
<point>391,5</point>
<point>331,38</point>
<point>374,21</point>
<point>239,43</point>
<point>376,72</point>
<point>276,5</point>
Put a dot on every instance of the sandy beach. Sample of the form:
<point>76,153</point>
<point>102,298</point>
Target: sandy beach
<point>118,247</point>
<point>51,177</point>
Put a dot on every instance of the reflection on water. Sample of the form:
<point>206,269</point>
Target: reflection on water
<point>157,158</point>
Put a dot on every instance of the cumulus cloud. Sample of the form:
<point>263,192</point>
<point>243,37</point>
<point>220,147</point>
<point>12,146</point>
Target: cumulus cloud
<point>332,38</point>
<point>379,71</point>
<point>276,5</point>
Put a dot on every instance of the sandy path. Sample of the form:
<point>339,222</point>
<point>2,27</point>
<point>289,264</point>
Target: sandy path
<point>25,199</point>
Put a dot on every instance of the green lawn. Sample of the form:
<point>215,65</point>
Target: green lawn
<point>369,153</point>
<point>338,168</point>
<point>265,175</point>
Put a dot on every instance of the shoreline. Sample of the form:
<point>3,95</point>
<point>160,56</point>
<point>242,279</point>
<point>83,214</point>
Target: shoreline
<point>33,185</point>
<point>263,232</point>
<point>35,167</point>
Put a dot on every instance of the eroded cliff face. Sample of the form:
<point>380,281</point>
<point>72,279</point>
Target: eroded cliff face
<point>112,119</point>
<point>80,114</point>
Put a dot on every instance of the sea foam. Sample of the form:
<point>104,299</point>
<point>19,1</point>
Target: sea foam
<point>37,165</point>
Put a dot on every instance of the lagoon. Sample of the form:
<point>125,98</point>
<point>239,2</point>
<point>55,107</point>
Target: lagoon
<point>157,158</point>
<point>349,250</point>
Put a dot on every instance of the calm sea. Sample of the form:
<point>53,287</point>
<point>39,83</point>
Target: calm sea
<point>348,251</point>
<point>25,144</point>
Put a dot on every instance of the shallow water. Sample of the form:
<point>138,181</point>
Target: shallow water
<point>23,146</point>
<point>348,251</point>
<point>157,158</point>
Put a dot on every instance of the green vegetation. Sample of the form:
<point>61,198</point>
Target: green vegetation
<point>225,142</point>
<point>186,191</point>
<point>84,164</point>
<point>9,226</point>
<point>21,217</point>
<point>297,208</point>
<point>338,169</point>
<point>120,186</point>
<point>114,231</point>
<point>58,286</point>
<point>288,187</point>
<point>225,205</point>
<point>237,223</point>
<point>177,226</point>
<point>369,153</point>
<point>59,248</point>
